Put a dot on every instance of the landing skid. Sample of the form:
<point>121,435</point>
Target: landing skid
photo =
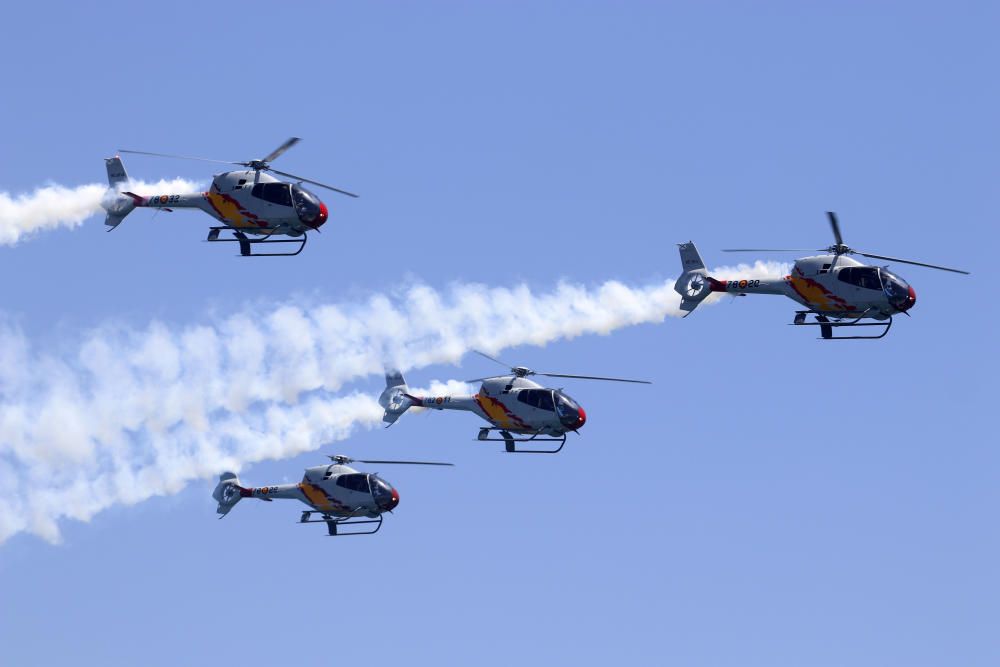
<point>826,326</point>
<point>247,243</point>
<point>333,524</point>
<point>509,439</point>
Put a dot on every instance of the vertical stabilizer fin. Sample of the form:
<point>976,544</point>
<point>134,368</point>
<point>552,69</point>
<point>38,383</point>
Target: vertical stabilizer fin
<point>693,284</point>
<point>115,203</point>
<point>227,493</point>
<point>394,398</point>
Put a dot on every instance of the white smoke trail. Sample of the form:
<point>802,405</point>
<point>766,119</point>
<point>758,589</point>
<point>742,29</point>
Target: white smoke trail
<point>55,206</point>
<point>129,414</point>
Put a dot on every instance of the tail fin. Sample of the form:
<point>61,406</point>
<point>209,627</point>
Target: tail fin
<point>227,492</point>
<point>117,204</point>
<point>395,398</point>
<point>693,284</point>
<point>117,176</point>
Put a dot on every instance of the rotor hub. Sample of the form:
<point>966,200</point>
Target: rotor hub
<point>840,249</point>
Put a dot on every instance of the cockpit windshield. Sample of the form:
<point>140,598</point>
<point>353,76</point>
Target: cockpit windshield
<point>382,493</point>
<point>307,205</point>
<point>569,411</point>
<point>896,289</point>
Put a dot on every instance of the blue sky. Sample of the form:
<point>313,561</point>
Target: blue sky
<point>770,500</point>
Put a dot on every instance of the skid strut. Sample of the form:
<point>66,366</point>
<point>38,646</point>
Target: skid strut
<point>509,441</point>
<point>247,243</point>
<point>334,524</point>
<point>827,326</point>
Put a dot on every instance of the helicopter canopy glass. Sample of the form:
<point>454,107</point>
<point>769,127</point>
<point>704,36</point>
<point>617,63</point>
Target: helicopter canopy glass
<point>381,491</point>
<point>897,289</point>
<point>537,398</point>
<point>354,481</point>
<point>306,204</point>
<point>275,193</point>
<point>865,277</point>
<point>567,409</point>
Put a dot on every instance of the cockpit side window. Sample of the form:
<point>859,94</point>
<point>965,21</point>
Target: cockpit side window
<point>354,482</point>
<point>276,193</point>
<point>537,398</point>
<point>865,277</point>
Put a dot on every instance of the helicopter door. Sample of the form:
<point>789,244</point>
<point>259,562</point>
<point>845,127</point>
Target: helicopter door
<point>273,202</point>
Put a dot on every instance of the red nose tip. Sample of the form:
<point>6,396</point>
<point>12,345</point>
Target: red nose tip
<point>911,300</point>
<point>582,420</point>
<point>395,499</point>
<point>323,215</point>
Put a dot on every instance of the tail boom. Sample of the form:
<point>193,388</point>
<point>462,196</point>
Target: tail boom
<point>695,285</point>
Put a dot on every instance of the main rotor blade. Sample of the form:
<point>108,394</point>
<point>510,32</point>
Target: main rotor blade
<point>492,377</point>
<point>409,463</point>
<point>836,227</point>
<point>493,359</point>
<point>592,377</point>
<point>909,261</point>
<point>306,180</point>
<point>281,149</point>
<point>769,250</point>
<point>178,157</point>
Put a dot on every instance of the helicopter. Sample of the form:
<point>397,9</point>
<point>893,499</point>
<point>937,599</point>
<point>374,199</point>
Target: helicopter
<point>838,290</point>
<point>341,495</point>
<point>520,409</point>
<point>248,202</point>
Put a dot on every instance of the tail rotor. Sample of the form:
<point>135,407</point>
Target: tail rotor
<point>227,493</point>
<point>693,285</point>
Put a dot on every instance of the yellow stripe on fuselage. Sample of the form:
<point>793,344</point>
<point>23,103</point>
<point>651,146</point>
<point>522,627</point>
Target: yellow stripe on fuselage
<point>315,496</point>
<point>230,211</point>
<point>498,413</point>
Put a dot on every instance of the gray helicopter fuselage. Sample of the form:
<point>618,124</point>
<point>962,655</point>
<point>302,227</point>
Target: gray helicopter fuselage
<point>838,286</point>
<point>515,404</point>
<point>833,285</point>
<point>336,490</point>
<point>253,202</point>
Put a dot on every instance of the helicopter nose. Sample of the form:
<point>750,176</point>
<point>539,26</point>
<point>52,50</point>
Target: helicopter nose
<point>394,501</point>
<point>911,299</point>
<point>323,215</point>
<point>582,419</point>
